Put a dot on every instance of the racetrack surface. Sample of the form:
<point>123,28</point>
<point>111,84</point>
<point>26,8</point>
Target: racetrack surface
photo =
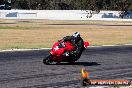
<point>25,69</point>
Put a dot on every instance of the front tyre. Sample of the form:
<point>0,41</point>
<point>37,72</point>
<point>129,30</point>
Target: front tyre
<point>48,59</point>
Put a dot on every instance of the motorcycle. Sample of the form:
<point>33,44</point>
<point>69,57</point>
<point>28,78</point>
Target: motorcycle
<point>60,52</point>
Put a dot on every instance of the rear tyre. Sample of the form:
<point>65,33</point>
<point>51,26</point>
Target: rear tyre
<point>48,60</point>
<point>71,62</point>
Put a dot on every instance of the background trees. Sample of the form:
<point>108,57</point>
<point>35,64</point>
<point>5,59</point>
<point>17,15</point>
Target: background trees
<point>121,5</point>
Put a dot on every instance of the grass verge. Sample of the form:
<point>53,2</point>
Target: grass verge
<point>43,33</point>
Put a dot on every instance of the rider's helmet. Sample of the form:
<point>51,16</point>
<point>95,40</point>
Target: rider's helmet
<point>76,34</point>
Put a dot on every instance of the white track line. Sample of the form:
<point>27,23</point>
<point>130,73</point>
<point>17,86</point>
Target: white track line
<point>50,48</point>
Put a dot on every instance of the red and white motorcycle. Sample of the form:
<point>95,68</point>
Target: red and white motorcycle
<point>57,51</point>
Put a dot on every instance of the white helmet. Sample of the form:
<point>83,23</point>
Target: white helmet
<point>76,34</point>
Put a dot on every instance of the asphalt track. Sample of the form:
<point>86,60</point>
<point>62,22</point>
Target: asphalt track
<point>25,69</point>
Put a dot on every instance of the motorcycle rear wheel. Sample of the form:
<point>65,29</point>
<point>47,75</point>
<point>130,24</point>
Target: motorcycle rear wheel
<point>71,62</point>
<point>48,60</point>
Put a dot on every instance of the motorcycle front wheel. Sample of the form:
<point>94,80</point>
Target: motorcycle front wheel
<point>48,60</point>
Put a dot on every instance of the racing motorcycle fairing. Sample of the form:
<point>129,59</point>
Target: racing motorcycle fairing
<point>60,52</point>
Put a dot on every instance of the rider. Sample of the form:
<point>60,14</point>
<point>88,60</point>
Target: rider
<point>76,41</point>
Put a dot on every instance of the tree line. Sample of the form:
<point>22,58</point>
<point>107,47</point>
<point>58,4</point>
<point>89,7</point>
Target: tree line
<point>73,4</point>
